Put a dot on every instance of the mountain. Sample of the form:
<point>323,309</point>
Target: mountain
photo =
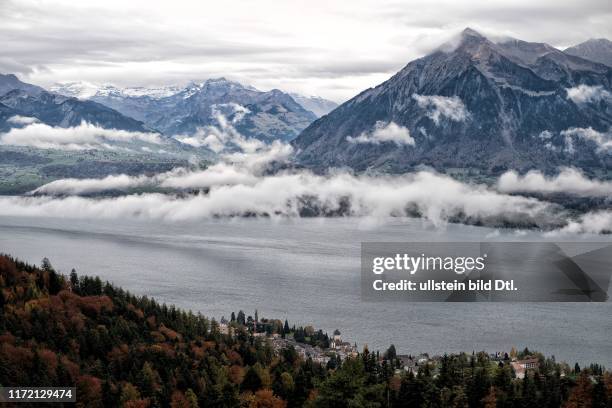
<point>5,114</point>
<point>599,50</point>
<point>315,104</point>
<point>62,111</point>
<point>10,82</point>
<point>87,90</point>
<point>173,110</point>
<point>472,103</point>
<point>21,99</point>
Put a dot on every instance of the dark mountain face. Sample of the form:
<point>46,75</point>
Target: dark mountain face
<point>56,110</point>
<point>471,103</point>
<point>598,50</point>
<point>263,115</point>
<point>5,114</point>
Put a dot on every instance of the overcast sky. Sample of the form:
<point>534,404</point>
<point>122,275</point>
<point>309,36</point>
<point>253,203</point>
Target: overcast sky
<point>322,47</point>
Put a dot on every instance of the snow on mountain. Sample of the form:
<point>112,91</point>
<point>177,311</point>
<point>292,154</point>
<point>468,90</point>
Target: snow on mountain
<point>149,103</point>
<point>186,110</point>
<point>20,99</point>
<point>315,104</point>
<point>599,50</point>
<point>88,90</point>
<point>9,82</point>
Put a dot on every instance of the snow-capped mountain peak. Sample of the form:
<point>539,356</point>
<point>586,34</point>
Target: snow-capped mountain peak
<point>317,105</point>
<point>88,90</point>
<point>595,49</point>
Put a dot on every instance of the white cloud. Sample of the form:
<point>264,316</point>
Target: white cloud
<point>177,179</point>
<point>602,140</point>
<point>72,186</point>
<point>545,135</point>
<point>389,132</point>
<point>442,106</point>
<point>210,137</point>
<point>586,93</point>
<point>568,181</point>
<point>21,120</point>
<point>216,175</point>
<point>596,222</point>
<point>257,160</point>
<point>224,136</point>
<point>83,137</point>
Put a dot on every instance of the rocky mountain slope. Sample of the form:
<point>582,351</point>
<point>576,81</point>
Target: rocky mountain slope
<point>317,105</point>
<point>595,49</point>
<point>175,110</point>
<point>472,103</point>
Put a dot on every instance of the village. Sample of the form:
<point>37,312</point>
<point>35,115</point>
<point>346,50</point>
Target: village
<point>323,349</point>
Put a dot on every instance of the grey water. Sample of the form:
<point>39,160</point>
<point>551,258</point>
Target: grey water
<point>306,271</point>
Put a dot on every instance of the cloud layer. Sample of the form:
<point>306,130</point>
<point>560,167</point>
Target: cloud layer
<point>385,132</point>
<point>597,222</point>
<point>434,197</point>
<point>73,186</point>
<point>83,137</point>
<point>244,183</point>
<point>568,181</point>
<point>267,44</point>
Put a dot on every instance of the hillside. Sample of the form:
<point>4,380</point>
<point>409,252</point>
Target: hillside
<point>123,350</point>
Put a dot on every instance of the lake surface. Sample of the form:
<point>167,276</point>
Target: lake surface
<point>307,271</point>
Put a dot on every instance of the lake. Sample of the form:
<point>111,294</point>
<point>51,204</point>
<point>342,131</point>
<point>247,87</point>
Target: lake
<point>307,271</point>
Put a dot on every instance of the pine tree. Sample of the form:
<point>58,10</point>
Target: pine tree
<point>241,319</point>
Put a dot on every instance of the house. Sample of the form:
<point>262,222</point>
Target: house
<point>409,363</point>
<point>520,367</point>
<point>224,327</point>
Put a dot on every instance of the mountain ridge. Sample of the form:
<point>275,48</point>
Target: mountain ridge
<point>26,100</point>
<point>595,49</point>
<point>182,110</point>
<point>508,103</point>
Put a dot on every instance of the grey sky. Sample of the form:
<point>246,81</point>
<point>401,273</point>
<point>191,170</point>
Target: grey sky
<point>330,48</point>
